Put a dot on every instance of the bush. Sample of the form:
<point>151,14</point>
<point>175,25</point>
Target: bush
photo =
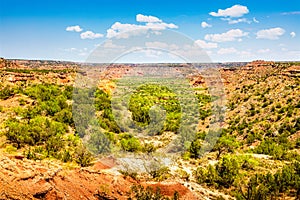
<point>194,149</point>
<point>126,173</point>
<point>98,142</point>
<point>149,148</point>
<point>64,116</point>
<point>272,186</point>
<point>102,102</point>
<point>83,157</point>
<point>160,174</point>
<point>18,133</point>
<point>43,92</point>
<point>10,149</point>
<point>139,192</point>
<point>221,175</point>
<point>22,102</point>
<point>68,92</point>
<point>271,148</point>
<point>36,132</point>
<point>147,96</point>
<point>183,174</point>
<point>6,92</point>
<point>130,143</point>
<point>254,190</point>
<point>201,175</point>
<point>227,170</point>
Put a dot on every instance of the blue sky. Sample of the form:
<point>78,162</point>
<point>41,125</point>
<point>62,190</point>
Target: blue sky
<point>227,30</point>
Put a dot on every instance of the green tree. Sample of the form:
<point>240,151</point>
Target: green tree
<point>254,190</point>
<point>18,133</point>
<point>227,169</point>
<point>195,149</point>
<point>225,144</point>
<point>98,142</point>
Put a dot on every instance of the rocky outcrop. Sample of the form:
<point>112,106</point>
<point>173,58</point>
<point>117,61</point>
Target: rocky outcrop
<point>197,80</point>
<point>260,63</point>
<point>14,77</point>
<point>4,64</point>
<point>21,178</point>
<point>293,71</point>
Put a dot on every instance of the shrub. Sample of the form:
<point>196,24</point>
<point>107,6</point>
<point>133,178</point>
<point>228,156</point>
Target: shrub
<point>10,149</point>
<point>272,186</point>
<point>271,148</point>
<point>201,175</point>
<point>194,149</point>
<point>22,102</point>
<point>68,91</point>
<point>138,192</point>
<point>37,131</point>
<point>83,157</point>
<point>147,96</point>
<point>6,92</point>
<point>64,116</point>
<point>43,92</point>
<point>98,142</point>
<point>130,143</point>
<point>254,190</point>
<point>102,100</point>
<point>133,175</point>
<point>161,173</point>
<point>183,174</point>
<point>18,133</point>
<point>227,170</point>
<point>221,175</point>
<point>149,148</point>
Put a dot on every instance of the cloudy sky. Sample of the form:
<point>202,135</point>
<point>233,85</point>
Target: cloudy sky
<point>227,30</point>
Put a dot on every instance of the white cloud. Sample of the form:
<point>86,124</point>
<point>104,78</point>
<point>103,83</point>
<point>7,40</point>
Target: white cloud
<point>150,53</point>
<point>206,45</point>
<point>244,53</point>
<point>255,20</point>
<point>158,45</point>
<point>162,45</point>
<point>70,49</point>
<point>234,11</point>
<point>152,23</point>
<point>74,28</point>
<point>291,13</point>
<point>263,51</point>
<point>295,54</point>
<point>118,28</point>
<point>234,51</point>
<point>231,35</point>
<point>90,35</point>
<point>205,25</point>
<point>144,18</point>
<point>271,34</point>
<point>79,52</point>
<point>159,26</point>
<point>108,44</point>
<point>236,21</point>
<point>230,50</point>
<point>293,34</point>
